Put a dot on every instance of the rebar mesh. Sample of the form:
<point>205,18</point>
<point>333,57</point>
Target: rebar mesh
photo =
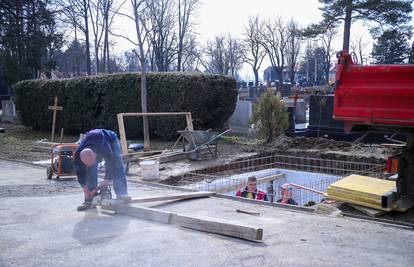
<point>225,178</point>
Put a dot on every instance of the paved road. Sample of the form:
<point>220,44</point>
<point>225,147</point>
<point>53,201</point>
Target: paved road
<point>13,173</point>
<point>22,180</point>
<point>48,231</point>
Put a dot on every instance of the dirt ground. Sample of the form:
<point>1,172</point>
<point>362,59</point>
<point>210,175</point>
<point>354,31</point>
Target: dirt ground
<point>18,141</point>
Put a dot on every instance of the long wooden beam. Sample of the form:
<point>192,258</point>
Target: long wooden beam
<point>205,224</point>
<point>221,227</point>
<point>173,197</point>
<point>241,183</point>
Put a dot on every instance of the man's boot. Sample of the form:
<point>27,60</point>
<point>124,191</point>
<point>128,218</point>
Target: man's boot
<point>85,205</point>
<point>125,198</point>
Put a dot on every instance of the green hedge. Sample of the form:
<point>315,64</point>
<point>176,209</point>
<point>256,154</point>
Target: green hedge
<point>93,102</point>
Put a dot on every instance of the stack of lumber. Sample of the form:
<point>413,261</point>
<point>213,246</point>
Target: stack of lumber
<point>361,190</point>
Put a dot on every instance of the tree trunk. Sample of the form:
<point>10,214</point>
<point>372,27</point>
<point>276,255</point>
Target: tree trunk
<point>77,59</point>
<point>280,76</point>
<point>88,52</point>
<point>96,57</point>
<point>256,77</point>
<point>179,54</point>
<point>292,77</point>
<point>144,104</point>
<point>347,26</point>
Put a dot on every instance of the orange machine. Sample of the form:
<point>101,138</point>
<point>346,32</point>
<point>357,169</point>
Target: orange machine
<point>62,160</point>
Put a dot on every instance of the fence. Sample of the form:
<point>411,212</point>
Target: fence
<point>311,174</point>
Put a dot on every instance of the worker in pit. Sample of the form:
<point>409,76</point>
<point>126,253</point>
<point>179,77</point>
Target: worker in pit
<point>100,144</point>
<point>251,191</point>
<point>286,193</point>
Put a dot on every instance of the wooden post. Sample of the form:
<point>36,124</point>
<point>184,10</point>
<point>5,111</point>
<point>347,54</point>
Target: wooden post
<point>122,135</point>
<point>55,108</point>
<point>61,135</point>
<point>189,122</point>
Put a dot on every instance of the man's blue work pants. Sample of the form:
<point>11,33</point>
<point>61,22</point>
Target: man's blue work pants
<point>115,167</point>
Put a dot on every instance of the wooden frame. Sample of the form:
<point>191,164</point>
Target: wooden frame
<point>121,125</point>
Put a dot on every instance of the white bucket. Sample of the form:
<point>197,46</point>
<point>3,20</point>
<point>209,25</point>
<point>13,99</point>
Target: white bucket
<point>150,169</point>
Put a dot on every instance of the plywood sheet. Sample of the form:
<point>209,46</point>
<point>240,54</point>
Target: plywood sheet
<point>365,184</point>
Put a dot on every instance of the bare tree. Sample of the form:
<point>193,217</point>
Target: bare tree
<point>358,46</point>
<point>108,12</point>
<point>235,51</point>
<point>190,60</point>
<point>255,52</point>
<point>139,9</point>
<point>293,49</point>
<point>95,7</point>
<point>216,58</point>
<point>326,41</point>
<point>142,27</point>
<point>223,55</point>
<point>77,12</point>
<point>186,10</point>
<point>161,35</point>
<point>275,41</point>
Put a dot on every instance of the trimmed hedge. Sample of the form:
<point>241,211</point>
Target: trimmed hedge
<point>93,102</point>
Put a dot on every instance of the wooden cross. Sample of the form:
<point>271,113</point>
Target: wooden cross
<point>295,97</point>
<point>55,109</point>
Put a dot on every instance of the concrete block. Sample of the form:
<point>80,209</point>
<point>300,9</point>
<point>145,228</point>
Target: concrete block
<point>8,111</point>
<point>242,114</point>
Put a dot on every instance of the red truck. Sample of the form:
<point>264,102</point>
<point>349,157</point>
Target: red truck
<point>380,97</point>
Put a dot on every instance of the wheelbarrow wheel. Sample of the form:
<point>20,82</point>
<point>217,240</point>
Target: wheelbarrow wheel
<point>49,173</point>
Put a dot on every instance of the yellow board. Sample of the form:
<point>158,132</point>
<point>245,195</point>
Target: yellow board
<point>356,198</point>
<point>361,190</point>
<point>365,184</point>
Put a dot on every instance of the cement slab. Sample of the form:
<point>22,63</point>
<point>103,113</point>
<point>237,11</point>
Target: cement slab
<point>16,173</point>
<point>48,231</point>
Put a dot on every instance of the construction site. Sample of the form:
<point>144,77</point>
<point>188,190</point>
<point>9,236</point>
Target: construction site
<point>167,158</point>
<point>323,202</point>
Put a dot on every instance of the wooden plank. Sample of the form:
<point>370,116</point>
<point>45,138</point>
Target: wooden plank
<point>173,197</point>
<point>40,149</point>
<point>241,183</point>
<point>144,213</point>
<point>122,135</point>
<point>248,212</point>
<point>170,156</point>
<point>43,143</point>
<point>211,225</point>
<point>189,122</point>
<point>270,178</point>
<point>368,211</point>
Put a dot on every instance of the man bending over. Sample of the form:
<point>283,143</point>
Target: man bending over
<point>100,144</point>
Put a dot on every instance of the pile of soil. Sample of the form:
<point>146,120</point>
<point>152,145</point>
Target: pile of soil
<point>323,148</point>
